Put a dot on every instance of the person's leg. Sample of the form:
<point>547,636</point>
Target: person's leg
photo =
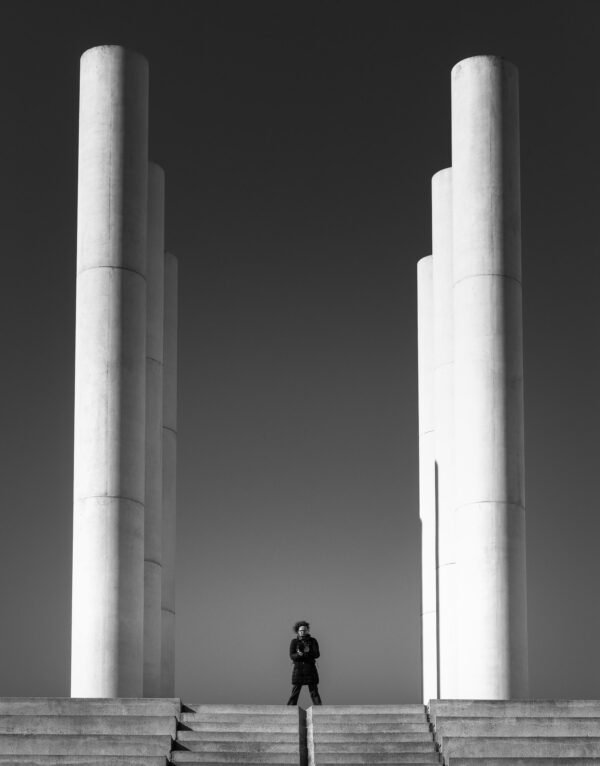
<point>314,694</point>
<point>293,700</point>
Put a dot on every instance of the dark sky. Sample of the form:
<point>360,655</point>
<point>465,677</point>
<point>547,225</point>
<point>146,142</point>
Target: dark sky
<point>299,140</point>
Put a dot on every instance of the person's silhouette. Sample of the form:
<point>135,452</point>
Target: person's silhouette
<point>304,650</point>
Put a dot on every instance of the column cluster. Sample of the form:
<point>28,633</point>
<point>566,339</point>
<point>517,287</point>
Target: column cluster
<point>472,499</point>
<point>125,394</point>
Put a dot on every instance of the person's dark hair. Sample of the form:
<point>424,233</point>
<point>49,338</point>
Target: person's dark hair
<point>297,625</point>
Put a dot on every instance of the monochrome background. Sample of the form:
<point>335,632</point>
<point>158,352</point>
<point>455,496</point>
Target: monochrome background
<point>298,141</point>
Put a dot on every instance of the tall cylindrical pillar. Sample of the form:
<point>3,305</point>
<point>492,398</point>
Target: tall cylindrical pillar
<point>169,477</point>
<point>110,360</point>
<point>427,481</point>
<point>154,431</point>
<point>443,376</point>
<point>488,381</point>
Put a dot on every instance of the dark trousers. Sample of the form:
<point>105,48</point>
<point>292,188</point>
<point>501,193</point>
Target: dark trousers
<point>314,694</point>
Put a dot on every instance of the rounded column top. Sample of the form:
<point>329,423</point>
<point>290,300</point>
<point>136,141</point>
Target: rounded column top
<point>441,176</point>
<point>481,61</point>
<point>115,52</point>
<point>425,263</point>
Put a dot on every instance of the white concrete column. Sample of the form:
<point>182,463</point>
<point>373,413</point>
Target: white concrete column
<point>169,477</point>
<point>490,497</point>
<point>427,493</point>
<point>110,351</point>
<point>154,431</point>
<point>443,374</point>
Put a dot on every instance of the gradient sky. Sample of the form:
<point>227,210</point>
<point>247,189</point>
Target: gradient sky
<point>299,140</point>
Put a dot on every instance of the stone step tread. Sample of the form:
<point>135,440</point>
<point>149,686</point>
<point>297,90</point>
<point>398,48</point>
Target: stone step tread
<point>221,715</point>
<point>391,759</point>
<point>401,720</point>
<point>375,747</point>
<point>246,762</point>
<point>87,724</point>
<point>89,706</point>
<point>246,736</point>
<point>529,719</point>
<point>517,727</point>
<point>84,760</point>
<point>288,710</point>
<point>519,708</point>
<point>267,726</point>
<point>357,726</point>
<point>525,739</point>
<point>522,746</point>
<point>242,746</point>
<point>410,709</point>
<point>97,744</point>
<point>516,761</point>
<point>320,737</point>
<point>280,759</point>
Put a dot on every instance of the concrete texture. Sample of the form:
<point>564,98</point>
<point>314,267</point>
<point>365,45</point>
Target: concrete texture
<point>224,733</point>
<point>516,727</point>
<point>240,734</point>
<point>514,708</point>
<point>40,731</point>
<point>85,724</point>
<point>243,711</point>
<point>108,527</point>
<point>409,709</point>
<point>248,759</point>
<point>427,481</point>
<point>530,729</point>
<point>488,383</point>
<point>370,758</point>
<point>530,747</point>
<point>84,760</point>
<point>49,744</point>
<point>153,523</point>
<point>517,761</point>
<point>70,706</point>
<point>370,734</point>
<point>169,476</point>
<point>443,386</point>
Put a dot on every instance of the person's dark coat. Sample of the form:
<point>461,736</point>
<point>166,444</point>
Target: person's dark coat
<point>305,671</point>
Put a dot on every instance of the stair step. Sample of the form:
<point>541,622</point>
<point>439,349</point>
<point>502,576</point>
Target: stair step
<point>516,727</point>
<point>87,725</point>
<point>84,760</point>
<point>212,759</point>
<point>515,708</point>
<point>360,726</point>
<point>101,744</point>
<point>538,747</point>
<point>320,738</point>
<point>374,747</point>
<point>267,726</point>
<point>235,735</point>
<point>412,709</point>
<point>390,759</point>
<point>72,706</point>
<point>374,718</point>
<point>240,746</point>
<point>525,761</point>
<point>202,709</point>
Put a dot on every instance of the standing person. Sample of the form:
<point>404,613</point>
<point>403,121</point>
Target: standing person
<point>304,650</point>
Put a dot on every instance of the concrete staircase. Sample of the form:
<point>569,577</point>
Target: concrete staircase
<point>41,731</point>
<point>240,734</point>
<point>517,733</point>
<point>369,734</point>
